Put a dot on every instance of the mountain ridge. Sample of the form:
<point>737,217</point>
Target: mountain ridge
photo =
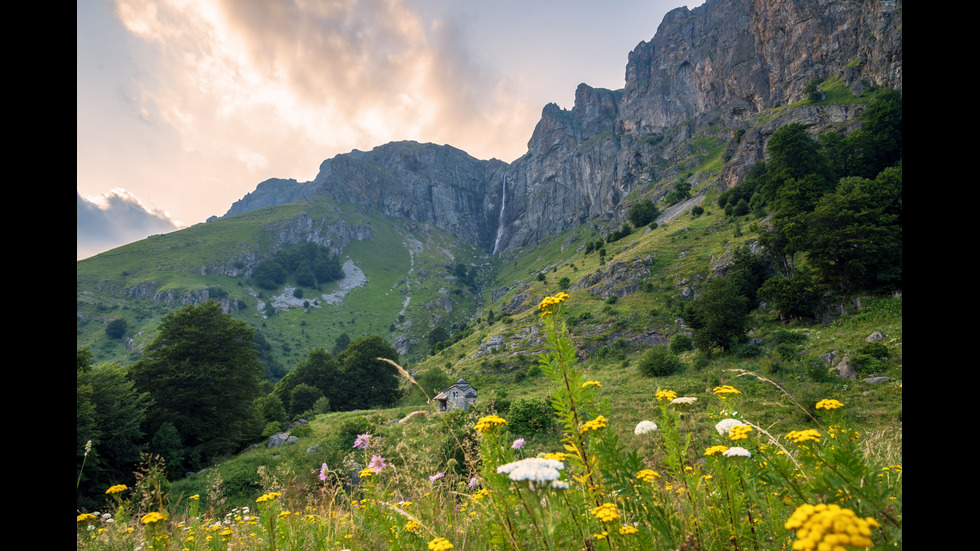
<point>708,72</point>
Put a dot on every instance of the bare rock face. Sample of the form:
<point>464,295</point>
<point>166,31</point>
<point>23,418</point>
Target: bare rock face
<point>710,70</point>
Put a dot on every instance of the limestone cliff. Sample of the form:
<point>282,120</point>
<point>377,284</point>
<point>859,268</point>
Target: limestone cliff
<point>709,72</point>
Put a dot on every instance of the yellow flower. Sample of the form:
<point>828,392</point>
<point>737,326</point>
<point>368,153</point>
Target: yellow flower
<point>601,536</point>
<point>84,516</point>
<point>548,302</point>
<point>153,516</point>
<point>411,526</point>
<point>440,544</point>
<point>647,475</point>
<point>808,435</point>
<point>116,489</point>
<point>195,497</point>
<point>267,497</point>
<point>724,390</point>
<point>825,526</point>
<point>626,530</point>
<point>715,449</point>
<point>489,422</point>
<point>666,395</point>
<point>829,404</point>
<point>481,494</point>
<point>595,424</point>
<point>365,473</point>
<point>557,456</point>
<point>739,432</point>
<point>587,384</point>
<point>606,512</point>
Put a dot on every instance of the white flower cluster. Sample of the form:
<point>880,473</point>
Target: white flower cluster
<point>737,452</point>
<point>644,427</point>
<point>725,425</point>
<point>535,469</point>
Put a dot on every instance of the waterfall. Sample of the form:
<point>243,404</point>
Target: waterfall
<point>500,222</point>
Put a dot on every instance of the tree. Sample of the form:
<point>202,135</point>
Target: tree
<point>719,316</point>
<point>659,361</point>
<point>116,328</point>
<point>340,344</point>
<point>643,213</point>
<point>319,370</point>
<point>203,373</point>
<point>368,381</point>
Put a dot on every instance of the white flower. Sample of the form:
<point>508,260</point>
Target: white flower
<point>559,484</point>
<point>535,469</point>
<point>644,427</point>
<point>726,425</point>
<point>737,452</point>
<point>684,400</point>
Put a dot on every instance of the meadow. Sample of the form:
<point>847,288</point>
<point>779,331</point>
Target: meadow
<point>695,475</point>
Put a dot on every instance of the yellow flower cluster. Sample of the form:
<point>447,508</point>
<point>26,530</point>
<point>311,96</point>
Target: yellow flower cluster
<point>666,395</point>
<point>116,489</point>
<point>267,497</point>
<point>647,475</point>
<point>481,494</point>
<point>828,404</point>
<point>724,390</point>
<point>557,456</point>
<point>440,544</point>
<point>595,424</point>
<point>830,527</point>
<point>715,449</point>
<point>627,530</point>
<point>587,384</point>
<point>153,516</point>
<point>808,435</point>
<point>739,432</point>
<point>365,473</point>
<point>489,422</point>
<point>606,512</point>
<point>411,526</point>
<point>547,302</point>
<point>84,517</point>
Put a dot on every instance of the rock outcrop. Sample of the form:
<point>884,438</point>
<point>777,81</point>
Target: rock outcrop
<point>707,72</point>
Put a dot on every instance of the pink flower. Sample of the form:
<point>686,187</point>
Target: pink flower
<point>377,463</point>
<point>323,472</point>
<point>362,441</point>
<point>518,444</point>
<point>435,477</point>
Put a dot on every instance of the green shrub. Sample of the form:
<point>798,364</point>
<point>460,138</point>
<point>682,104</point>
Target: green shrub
<point>681,343</point>
<point>659,362</point>
<point>528,416</point>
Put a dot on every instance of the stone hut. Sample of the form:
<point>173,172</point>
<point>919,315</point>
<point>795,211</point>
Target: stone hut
<point>458,396</point>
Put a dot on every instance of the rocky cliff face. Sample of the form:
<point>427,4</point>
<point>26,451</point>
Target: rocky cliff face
<point>709,71</point>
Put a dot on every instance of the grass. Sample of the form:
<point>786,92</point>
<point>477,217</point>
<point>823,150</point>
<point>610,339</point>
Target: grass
<point>440,485</point>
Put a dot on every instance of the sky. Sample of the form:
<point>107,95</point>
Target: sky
<point>185,106</point>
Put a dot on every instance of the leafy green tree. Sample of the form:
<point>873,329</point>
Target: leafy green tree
<point>368,381</point>
<point>319,370</point>
<point>564,283</point>
<point>659,361</point>
<point>529,416</point>
<point>792,155</point>
<point>719,316</point>
<point>642,213</point>
<point>270,409</point>
<point>340,344</point>
<point>433,381</point>
<point>791,297</point>
<point>116,328</point>
<point>203,374</point>
<point>302,397</point>
<point>166,444</point>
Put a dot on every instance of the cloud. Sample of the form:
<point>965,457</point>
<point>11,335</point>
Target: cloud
<point>114,219</point>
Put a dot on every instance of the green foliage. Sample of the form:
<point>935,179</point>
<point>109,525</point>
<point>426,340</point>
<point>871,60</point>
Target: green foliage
<point>116,328</point>
<point>679,342</point>
<point>203,373</point>
<point>681,192</point>
<point>564,282</point>
<point>319,371</point>
<point>792,297</point>
<point>368,381</point>
<point>529,416</point>
<point>719,316</point>
<point>307,264</point>
<point>642,213</point>
<point>658,361</point>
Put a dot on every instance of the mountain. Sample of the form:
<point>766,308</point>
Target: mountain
<point>691,110</point>
<point>431,237</point>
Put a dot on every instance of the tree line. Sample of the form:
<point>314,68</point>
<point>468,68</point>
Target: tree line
<point>198,393</point>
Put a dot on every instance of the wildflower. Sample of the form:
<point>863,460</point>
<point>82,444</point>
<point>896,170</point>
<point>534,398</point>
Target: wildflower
<point>366,472</point>
<point>558,484</point>
<point>362,441</point>
<point>518,444</point>
<point>666,395</point>
<point>829,404</point>
<point>601,536</point>
<point>481,494</point>
<point>598,423</point>
<point>739,432</point>
<point>377,463</point>
<point>684,400</point>
<point>644,427</point>
<point>267,497</point>
<point>473,482</point>
<point>534,469</point>
<point>195,497</point>
<point>116,489</point>
<point>587,384</point>
<point>153,516</point>
<point>84,517</point>
<point>647,475</point>
<point>440,544</point>
<point>736,452</point>
<point>825,526</point>
<point>606,512</point>
<point>724,390</point>
<point>627,530</point>
<point>808,435</point>
<point>489,422</point>
<point>411,526</point>
<point>323,472</point>
<point>724,426</point>
<point>557,456</point>
<point>715,449</point>
<point>436,476</point>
